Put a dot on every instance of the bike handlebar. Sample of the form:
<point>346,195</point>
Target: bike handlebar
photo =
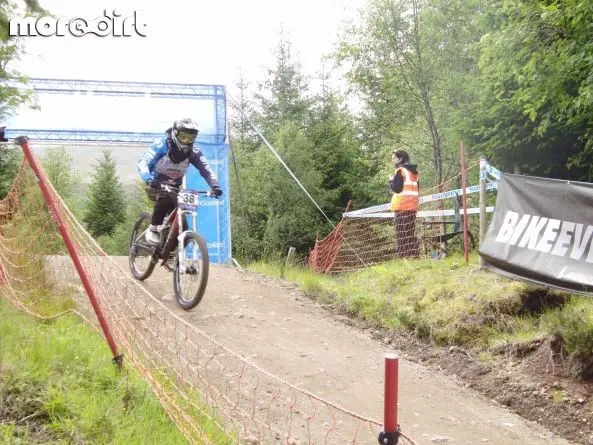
<point>173,188</point>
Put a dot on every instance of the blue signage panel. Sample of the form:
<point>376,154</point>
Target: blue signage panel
<point>214,215</point>
<point>148,109</point>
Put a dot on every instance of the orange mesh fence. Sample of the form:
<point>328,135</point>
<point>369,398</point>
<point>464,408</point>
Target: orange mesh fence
<point>374,235</point>
<point>214,395</point>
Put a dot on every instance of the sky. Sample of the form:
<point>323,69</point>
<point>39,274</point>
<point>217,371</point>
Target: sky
<point>185,42</point>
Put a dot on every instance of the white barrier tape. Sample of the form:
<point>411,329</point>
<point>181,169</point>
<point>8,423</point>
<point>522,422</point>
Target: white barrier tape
<point>425,199</point>
<point>433,213</point>
<point>372,209</point>
<point>468,190</point>
<point>493,171</point>
<point>420,214</point>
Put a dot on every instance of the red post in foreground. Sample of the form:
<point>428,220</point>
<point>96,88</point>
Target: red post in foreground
<point>24,143</point>
<point>463,188</point>
<point>390,433</point>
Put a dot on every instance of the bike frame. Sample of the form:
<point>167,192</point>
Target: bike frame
<point>175,220</point>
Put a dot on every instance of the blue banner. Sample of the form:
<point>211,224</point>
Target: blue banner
<point>214,215</point>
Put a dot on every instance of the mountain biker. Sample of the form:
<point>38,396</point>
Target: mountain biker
<point>165,162</point>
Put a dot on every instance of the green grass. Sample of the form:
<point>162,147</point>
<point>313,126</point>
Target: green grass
<point>58,386</point>
<point>557,396</point>
<point>448,302</point>
<point>196,412</point>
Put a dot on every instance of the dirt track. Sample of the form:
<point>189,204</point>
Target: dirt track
<point>292,337</point>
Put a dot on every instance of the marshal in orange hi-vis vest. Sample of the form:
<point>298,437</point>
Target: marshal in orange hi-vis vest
<point>407,199</point>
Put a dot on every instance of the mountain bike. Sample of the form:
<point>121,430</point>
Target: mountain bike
<point>180,250</point>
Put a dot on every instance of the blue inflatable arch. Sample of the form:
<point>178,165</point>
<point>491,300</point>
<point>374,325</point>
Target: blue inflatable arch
<point>95,111</point>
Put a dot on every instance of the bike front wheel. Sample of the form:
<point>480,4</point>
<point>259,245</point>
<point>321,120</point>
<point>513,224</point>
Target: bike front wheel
<point>190,276</point>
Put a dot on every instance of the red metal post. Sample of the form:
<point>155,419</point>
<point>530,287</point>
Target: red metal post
<point>463,188</point>
<point>24,143</point>
<point>390,426</point>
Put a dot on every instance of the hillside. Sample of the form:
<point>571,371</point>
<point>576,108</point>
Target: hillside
<point>86,156</point>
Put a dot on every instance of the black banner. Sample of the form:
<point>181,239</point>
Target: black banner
<point>542,231</point>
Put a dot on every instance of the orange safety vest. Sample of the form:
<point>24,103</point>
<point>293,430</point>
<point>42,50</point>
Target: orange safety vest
<point>407,199</point>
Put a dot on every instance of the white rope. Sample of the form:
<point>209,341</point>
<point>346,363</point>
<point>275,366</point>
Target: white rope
<point>259,133</point>
<point>295,178</point>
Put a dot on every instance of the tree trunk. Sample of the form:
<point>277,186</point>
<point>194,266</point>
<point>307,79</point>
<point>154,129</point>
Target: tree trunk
<point>436,139</point>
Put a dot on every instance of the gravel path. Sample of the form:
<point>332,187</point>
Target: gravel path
<point>284,332</point>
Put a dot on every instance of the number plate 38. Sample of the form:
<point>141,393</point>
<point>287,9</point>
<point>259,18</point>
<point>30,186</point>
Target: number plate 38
<point>187,200</point>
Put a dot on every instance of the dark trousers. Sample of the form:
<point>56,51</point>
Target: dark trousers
<point>408,244</point>
<point>164,204</point>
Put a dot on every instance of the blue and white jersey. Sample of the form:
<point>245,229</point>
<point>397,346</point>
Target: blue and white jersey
<point>155,164</point>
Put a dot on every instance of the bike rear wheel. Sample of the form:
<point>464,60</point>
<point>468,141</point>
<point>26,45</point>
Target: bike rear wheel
<point>196,270</point>
<point>139,245</point>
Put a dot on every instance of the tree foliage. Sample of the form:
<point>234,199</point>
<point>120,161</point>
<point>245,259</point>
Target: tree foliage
<point>535,113</point>
<point>59,168</point>
<point>10,161</point>
<point>10,97</point>
<point>106,206</point>
<point>284,90</point>
<point>315,137</point>
<point>409,61</point>
<point>11,49</point>
<point>118,242</point>
<point>510,78</point>
<point>385,60</point>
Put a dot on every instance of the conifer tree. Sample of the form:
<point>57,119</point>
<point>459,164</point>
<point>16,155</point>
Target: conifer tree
<point>106,207</point>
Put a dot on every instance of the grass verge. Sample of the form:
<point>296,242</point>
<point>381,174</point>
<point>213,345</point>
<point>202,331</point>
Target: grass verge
<point>449,303</point>
<point>58,386</point>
